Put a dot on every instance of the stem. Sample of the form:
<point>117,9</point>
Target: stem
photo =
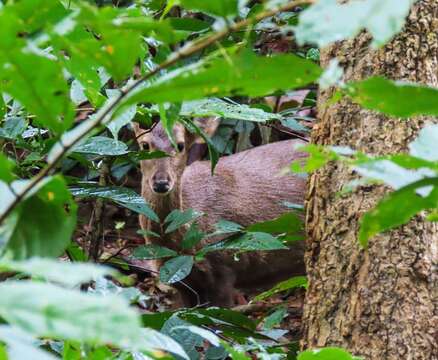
<point>184,52</point>
<point>96,237</point>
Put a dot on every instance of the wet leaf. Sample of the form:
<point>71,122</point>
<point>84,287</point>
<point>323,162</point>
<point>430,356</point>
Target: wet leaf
<point>176,269</point>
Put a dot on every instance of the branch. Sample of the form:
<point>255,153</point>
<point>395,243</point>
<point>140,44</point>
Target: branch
<point>184,52</point>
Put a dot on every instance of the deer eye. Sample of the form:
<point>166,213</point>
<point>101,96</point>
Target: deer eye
<point>146,146</point>
<point>180,146</point>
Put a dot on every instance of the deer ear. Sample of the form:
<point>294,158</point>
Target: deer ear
<point>208,125</point>
<point>137,129</point>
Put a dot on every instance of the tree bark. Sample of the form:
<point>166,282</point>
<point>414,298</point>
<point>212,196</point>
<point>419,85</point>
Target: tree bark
<point>379,303</point>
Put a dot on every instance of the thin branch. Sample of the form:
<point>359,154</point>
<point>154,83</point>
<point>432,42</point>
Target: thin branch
<point>184,52</point>
<point>97,233</point>
<point>147,130</point>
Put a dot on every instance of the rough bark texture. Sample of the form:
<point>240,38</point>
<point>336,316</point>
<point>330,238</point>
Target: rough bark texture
<point>380,303</point>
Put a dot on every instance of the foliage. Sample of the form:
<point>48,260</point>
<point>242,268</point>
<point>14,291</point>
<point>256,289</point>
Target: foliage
<point>76,74</point>
<point>413,176</point>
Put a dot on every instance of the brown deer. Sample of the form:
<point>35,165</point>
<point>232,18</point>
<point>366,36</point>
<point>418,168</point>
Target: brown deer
<point>246,188</point>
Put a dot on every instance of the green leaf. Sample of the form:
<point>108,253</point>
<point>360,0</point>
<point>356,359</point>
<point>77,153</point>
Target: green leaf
<point>328,353</point>
<point>58,271</point>
<point>68,314</point>
<point>393,210</point>
<point>101,145</point>
<point>205,334</point>
<point>121,119</point>
<point>120,195</point>
<point>49,12</point>
<point>215,106</point>
<point>243,73</point>
<point>391,173</point>
<point>43,223</point>
<point>294,125</point>
<point>221,8</point>
<point>192,237</point>
<point>117,49</point>
<point>425,146</point>
<point>329,21</point>
<point>156,340</point>
<point>13,128</point>
<point>21,346</point>
<point>178,218</point>
<point>176,269</point>
<point>220,316</point>
<point>275,318</point>
<point>292,283</point>
<point>188,340</point>
<point>152,251</point>
<point>251,241</point>
<point>212,151</point>
<point>52,311</point>
<point>318,157</point>
<point>6,167</point>
<point>288,223</point>
<point>396,98</point>
<point>189,24</point>
<point>43,92</point>
<point>235,354</point>
<point>168,118</point>
<point>227,227</point>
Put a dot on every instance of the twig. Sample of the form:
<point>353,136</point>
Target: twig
<point>97,233</point>
<point>182,53</point>
<point>147,130</point>
<point>292,133</point>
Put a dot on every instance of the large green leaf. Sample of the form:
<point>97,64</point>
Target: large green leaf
<point>328,353</point>
<point>215,106</point>
<point>217,8</point>
<point>329,21</point>
<point>394,98</point>
<point>117,49</point>
<point>121,119</point>
<point>42,225</point>
<point>58,271</point>
<point>178,218</point>
<point>221,316</point>
<point>392,174</point>
<point>13,127</point>
<point>243,73</point>
<point>6,167</point>
<point>51,311</point>
<point>288,223</point>
<point>250,241</point>
<point>188,340</point>
<point>152,251</point>
<point>120,195</point>
<point>50,103</point>
<point>176,269</point>
<point>101,145</point>
<point>21,346</point>
<point>398,208</point>
<point>49,13</point>
<point>47,310</point>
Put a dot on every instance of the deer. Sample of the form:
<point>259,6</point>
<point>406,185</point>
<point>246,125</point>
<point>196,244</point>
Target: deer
<point>245,188</point>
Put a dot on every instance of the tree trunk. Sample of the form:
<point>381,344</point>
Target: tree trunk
<point>379,303</point>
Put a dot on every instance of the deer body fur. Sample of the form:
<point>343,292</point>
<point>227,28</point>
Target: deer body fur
<point>246,188</point>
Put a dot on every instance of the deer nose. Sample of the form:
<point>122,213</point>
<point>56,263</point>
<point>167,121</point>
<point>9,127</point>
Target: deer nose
<point>161,186</point>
